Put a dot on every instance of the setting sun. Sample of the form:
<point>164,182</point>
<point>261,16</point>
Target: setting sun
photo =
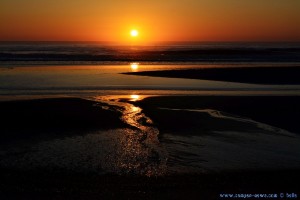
<point>134,33</point>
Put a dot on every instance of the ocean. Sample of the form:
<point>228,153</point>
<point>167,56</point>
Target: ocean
<point>48,68</point>
<point>161,53</point>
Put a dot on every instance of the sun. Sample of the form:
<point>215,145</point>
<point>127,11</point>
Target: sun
<point>134,33</point>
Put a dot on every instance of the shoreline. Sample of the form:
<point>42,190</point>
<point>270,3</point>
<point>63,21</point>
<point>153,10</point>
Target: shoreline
<point>72,116</point>
<point>69,114</point>
<point>254,75</point>
<point>63,183</point>
<point>279,111</point>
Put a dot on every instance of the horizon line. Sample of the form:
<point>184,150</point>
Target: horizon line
<point>178,41</point>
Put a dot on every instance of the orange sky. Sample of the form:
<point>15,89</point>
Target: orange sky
<point>156,20</point>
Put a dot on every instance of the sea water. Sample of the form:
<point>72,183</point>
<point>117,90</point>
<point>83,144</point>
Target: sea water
<point>94,71</point>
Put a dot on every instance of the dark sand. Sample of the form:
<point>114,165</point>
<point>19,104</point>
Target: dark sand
<point>67,185</point>
<point>256,75</point>
<point>279,111</point>
<point>73,114</point>
<point>30,118</point>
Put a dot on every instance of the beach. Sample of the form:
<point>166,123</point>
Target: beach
<point>85,121</point>
<point>180,159</point>
<point>279,111</point>
<point>255,75</point>
<point>195,99</point>
<point>85,186</point>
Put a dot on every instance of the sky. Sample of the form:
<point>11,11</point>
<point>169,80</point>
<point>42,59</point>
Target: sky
<point>156,20</point>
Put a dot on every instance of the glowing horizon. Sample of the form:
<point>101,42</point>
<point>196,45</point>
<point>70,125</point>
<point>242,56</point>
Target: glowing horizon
<point>156,21</point>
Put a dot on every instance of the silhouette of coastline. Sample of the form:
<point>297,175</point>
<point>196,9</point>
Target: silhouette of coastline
<point>279,111</point>
<point>64,116</point>
<point>71,116</point>
<point>255,75</point>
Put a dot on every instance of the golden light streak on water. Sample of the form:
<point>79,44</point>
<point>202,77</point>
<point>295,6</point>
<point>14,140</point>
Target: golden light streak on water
<point>140,148</point>
<point>134,97</point>
<point>134,66</point>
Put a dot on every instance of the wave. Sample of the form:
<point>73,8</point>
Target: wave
<point>48,52</point>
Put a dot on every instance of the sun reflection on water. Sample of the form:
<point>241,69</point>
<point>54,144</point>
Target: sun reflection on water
<point>137,148</point>
<point>134,97</point>
<point>134,66</point>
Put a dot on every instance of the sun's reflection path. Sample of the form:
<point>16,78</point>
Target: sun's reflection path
<point>137,149</point>
<point>134,97</point>
<point>134,66</point>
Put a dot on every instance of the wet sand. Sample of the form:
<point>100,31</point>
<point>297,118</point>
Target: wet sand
<point>72,116</point>
<point>254,75</point>
<point>279,111</point>
<point>60,185</point>
<point>68,115</point>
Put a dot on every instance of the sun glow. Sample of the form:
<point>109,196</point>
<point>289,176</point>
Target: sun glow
<point>134,33</point>
<point>134,97</point>
<point>134,66</point>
